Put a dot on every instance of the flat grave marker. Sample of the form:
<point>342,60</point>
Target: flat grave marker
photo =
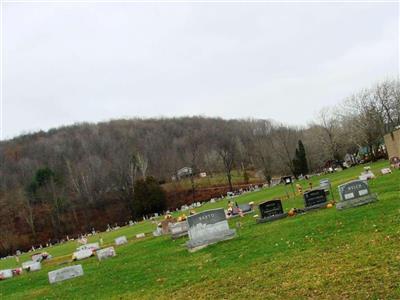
<point>354,193</point>
<point>65,273</point>
<point>270,211</point>
<point>208,227</point>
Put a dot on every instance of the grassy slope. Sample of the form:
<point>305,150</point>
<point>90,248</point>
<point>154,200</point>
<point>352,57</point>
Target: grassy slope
<point>323,254</point>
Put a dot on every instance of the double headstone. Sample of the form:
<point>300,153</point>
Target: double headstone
<point>315,199</point>
<point>178,229</point>
<point>208,227</point>
<point>65,273</point>
<point>354,193</point>
<point>121,240</point>
<point>270,211</point>
<point>105,253</point>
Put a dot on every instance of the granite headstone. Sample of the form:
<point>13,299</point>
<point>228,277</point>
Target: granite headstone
<point>208,227</point>
<point>315,199</point>
<point>270,211</point>
<point>354,193</point>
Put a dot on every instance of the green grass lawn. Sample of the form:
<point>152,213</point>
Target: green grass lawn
<point>324,254</point>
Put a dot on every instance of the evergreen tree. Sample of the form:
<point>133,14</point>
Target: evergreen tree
<point>149,197</point>
<point>300,161</point>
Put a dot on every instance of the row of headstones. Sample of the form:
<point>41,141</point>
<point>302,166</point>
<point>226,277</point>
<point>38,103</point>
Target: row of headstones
<point>77,270</point>
<point>211,226</point>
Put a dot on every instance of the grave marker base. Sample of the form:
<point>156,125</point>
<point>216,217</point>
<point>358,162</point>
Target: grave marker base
<point>356,202</point>
<point>316,206</point>
<point>272,218</point>
<point>194,245</point>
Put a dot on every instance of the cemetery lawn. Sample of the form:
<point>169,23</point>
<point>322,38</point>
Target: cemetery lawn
<point>324,254</point>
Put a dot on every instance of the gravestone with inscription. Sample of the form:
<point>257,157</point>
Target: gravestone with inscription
<point>65,273</point>
<point>270,211</point>
<point>354,193</point>
<point>208,227</point>
<point>178,229</point>
<point>315,199</point>
<point>105,253</point>
<point>121,240</point>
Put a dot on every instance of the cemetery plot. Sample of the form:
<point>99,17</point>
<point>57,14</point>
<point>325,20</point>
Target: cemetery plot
<point>354,193</point>
<point>208,227</point>
<point>121,240</point>
<point>105,253</point>
<point>178,229</point>
<point>315,199</point>
<point>65,273</point>
<point>270,211</point>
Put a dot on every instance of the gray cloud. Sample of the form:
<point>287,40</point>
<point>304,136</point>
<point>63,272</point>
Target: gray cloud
<point>92,62</point>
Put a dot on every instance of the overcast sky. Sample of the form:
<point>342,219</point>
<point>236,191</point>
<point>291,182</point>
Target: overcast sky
<point>94,62</point>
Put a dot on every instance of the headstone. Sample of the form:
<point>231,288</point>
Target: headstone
<point>157,232</point>
<point>287,180</point>
<point>105,253</point>
<point>178,229</point>
<point>165,225</point>
<point>65,273</point>
<point>121,240</point>
<point>366,175</point>
<point>208,227</point>
<point>91,246</point>
<point>270,211</point>
<point>385,171</point>
<point>325,184</point>
<point>82,254</point>
<point>315,199</point>
<point>31,265</point>
<point>37,257</point>
<point>4,274</point>
<point>354,193</point>
<point>140,235</point>
<point>243,208</point>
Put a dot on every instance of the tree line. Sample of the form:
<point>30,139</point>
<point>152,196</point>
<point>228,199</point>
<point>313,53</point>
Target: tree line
<point>69,179</point>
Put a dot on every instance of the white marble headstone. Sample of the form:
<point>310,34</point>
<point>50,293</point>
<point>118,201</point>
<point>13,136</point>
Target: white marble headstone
<point>121,240</point>
<point>6,274</point>
<point>82,254</point>
<point>65,273</point>
<point>31,265</point>
<point>91,246</point>
<point>140,235</point>
<point>105,253</point>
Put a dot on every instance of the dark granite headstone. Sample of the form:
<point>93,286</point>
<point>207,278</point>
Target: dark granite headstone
<point>354,193</point>
<point>315,199</point>
<point>270,211</point>
<point>208,227</point>
<point>287,179</point>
